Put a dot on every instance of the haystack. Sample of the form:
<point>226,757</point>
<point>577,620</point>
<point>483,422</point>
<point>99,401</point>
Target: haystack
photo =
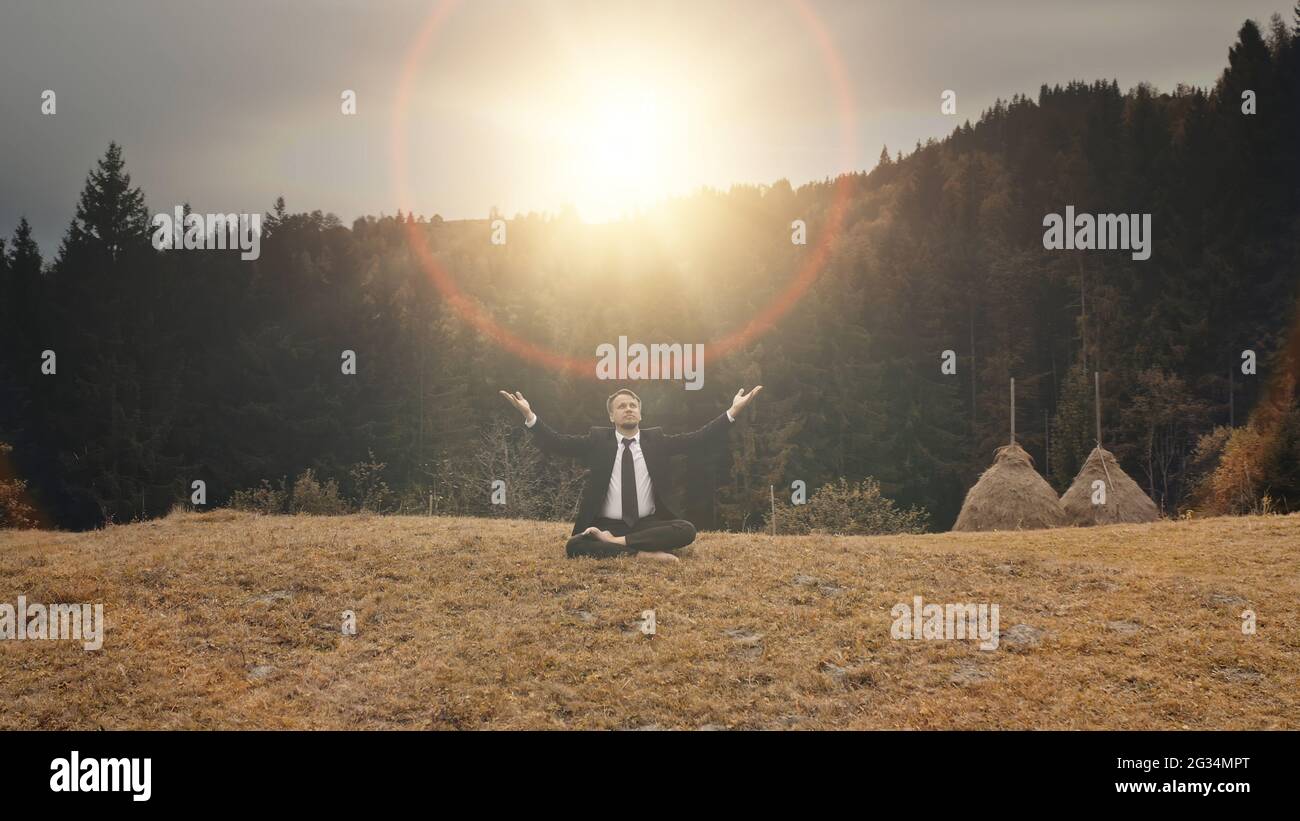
<point>1125,500</point>
<point>1010,496</point>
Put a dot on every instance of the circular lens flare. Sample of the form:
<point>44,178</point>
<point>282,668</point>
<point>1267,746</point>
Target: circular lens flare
<point>608,152</point>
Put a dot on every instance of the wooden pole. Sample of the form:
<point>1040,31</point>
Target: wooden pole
<point>1013,410</point>
<point>1096,375</point>
<point>1232,398</point>
<point>974,408</point>
<point>1047,444</point>
<point>771,489</point>
<point>1083,307</point>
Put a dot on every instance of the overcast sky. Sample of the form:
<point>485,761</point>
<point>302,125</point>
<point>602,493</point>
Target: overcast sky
<point>528,105</point>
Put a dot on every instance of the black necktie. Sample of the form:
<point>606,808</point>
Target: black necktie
<point>630,512</point>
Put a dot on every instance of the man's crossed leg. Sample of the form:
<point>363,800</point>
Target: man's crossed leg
<point>648,538</point>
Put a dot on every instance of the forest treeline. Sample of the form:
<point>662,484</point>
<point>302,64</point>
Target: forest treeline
<point>181,365</point>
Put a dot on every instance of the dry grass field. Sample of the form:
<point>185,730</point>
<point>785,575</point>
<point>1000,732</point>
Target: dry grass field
<point>232,620</point>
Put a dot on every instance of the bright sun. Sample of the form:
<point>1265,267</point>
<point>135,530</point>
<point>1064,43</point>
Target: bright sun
<point>610,131</point>
<point>607,114</point>
<point>620,144</point>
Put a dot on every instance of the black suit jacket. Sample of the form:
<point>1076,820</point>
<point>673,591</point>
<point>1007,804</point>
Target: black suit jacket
<point>598,448</point>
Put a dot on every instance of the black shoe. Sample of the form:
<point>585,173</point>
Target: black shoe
<point>579,545</point>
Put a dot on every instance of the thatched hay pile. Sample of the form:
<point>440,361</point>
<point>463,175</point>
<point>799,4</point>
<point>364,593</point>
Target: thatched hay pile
<point>1125,500</point>
<point>1010,496</point>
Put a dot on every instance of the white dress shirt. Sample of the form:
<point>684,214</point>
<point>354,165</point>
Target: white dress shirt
<point>645,493</point>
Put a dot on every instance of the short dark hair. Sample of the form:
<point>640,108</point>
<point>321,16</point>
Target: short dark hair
<point>609,403</point>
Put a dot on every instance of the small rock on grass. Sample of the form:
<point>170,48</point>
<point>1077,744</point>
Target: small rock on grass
<point>1021,637</point>
<point>1227,598</point>
<point>969,671</point>
<point>749,643</point>
<point>1238,674</point>
<point>270,598</point>
<point>829,588</point>
<point>1126,628</point>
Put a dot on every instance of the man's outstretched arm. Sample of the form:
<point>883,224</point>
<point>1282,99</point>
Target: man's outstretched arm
<point>717,428</point>
<point>547,439</point>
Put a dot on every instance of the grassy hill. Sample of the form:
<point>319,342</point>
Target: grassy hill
<point>231,620</point>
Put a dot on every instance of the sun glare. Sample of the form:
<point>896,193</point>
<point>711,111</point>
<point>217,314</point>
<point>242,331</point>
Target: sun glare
<point>626,144</point>
<point>591,116</point>
<point>608,116</point>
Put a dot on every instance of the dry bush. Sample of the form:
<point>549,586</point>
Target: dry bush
<point>14,510</point>
<point>851,510</point>
<point>1239,481</point>
<point>312,496</point>
<point>1202,467</point>
<point>369,491</point>
<point>537,486</point>
<point>265,498</point>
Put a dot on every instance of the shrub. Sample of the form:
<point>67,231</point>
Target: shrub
<point>1251,471</point>
<point>850,510</point>
<point>369,491</point>
<point>1234,485</point>
<point>14,511</point>
<point>263,499</point>
<point>537,487</point>
<point>311,496</point>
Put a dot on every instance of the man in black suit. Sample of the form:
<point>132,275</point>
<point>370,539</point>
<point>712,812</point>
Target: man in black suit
<point>623,509</point>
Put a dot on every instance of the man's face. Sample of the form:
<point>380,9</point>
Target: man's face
<point>626,412</point>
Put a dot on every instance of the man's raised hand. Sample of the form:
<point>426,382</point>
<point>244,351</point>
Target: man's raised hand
<point>741,400</point>
<point>521,404</point>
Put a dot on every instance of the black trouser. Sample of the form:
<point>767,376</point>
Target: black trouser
<point>649,534</point>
